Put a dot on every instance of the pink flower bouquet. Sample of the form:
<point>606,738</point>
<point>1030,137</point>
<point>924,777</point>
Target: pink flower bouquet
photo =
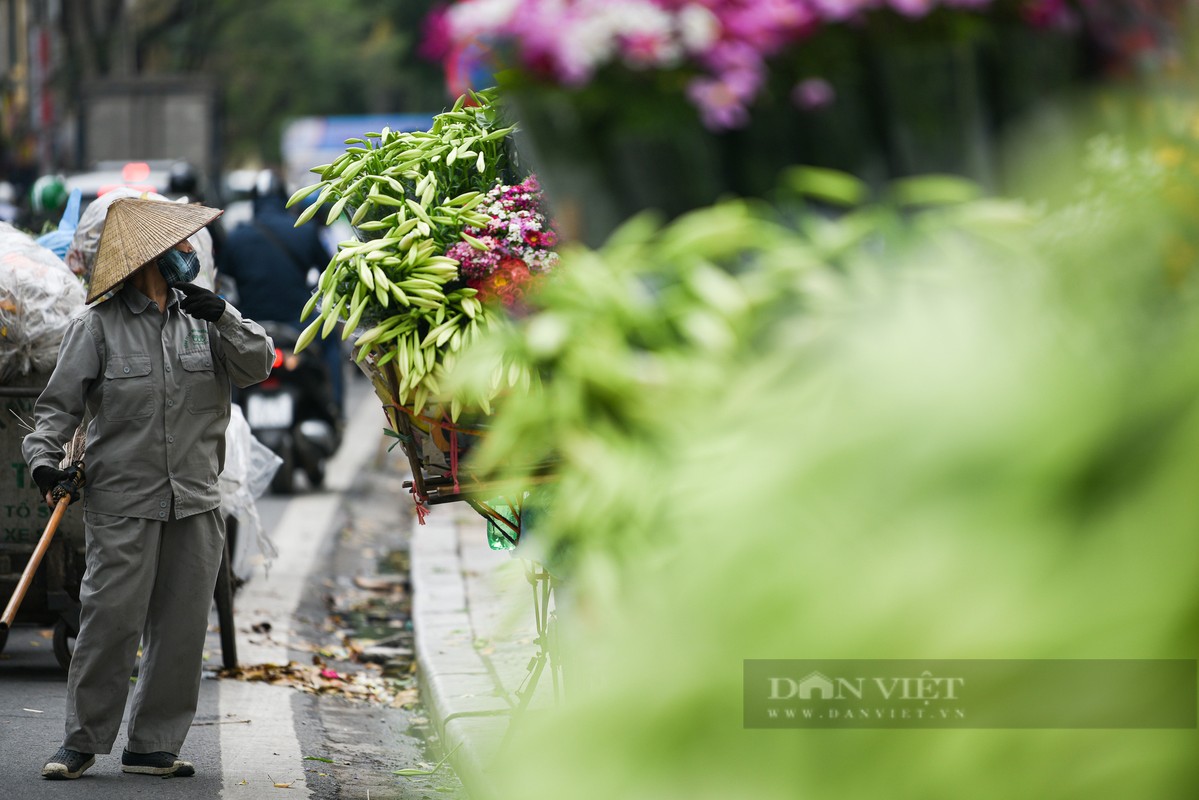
<point>504,259</point>
<point>724,46</point>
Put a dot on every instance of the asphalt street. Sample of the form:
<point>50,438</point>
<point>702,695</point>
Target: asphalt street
<point>250,739</point>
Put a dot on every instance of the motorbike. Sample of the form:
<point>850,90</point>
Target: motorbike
<point>292,411</point>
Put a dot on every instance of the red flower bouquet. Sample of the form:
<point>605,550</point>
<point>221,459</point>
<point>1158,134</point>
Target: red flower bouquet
<point>503,259</point>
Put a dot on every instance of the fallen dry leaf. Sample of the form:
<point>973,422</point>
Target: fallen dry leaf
<point>365,685</point>
<point>379,584</point>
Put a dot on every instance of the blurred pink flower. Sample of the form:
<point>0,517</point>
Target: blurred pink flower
<point>912,8</point>
<point>840,10</point>
<point>725,45</point>
<point>435,43</point>
<point>647,50</point>
<point>767,25</point>
<point>813,93</point>
<point>719,106</point>
<point>1049,14</point>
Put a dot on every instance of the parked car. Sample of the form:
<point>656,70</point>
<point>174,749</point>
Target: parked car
<point>173,179</point>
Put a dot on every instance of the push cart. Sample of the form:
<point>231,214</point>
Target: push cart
<point>434,447</point>
<point>53,597</point>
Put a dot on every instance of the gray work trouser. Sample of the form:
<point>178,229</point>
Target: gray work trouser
<point>149,581</point>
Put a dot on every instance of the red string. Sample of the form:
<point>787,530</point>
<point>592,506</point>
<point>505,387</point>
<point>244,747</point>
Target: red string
<point>443,422</point>
<point>422,508</point>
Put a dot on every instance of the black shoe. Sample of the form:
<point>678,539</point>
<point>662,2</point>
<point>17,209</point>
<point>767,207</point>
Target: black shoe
<point>164,764</point>
<point>67,764</point>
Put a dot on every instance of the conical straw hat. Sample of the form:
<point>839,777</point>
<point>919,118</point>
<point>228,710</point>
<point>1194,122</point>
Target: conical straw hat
<point>136,232</point>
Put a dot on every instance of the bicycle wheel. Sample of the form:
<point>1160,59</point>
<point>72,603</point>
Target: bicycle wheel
<point>64,643</point>
<point>224,609</point>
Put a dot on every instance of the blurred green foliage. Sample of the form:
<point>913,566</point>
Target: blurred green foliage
<point>927,425</point>
<point>272,59</point>
<point>631,336</point>
<point>279,60</point>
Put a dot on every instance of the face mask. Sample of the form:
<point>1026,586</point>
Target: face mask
<point>178,267</point>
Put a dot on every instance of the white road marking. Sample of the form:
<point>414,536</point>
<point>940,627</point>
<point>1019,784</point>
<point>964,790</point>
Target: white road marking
<point>268,746</point>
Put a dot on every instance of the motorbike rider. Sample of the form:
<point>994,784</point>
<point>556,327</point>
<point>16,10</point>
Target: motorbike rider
<point>47,199</point>
<point>270,262</point>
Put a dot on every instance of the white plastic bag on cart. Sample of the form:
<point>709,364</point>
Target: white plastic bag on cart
<point>38,295</point>
<point>249,467</point>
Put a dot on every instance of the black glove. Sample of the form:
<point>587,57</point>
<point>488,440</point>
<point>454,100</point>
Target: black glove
<point>200,303</point>
<point>59,482</point>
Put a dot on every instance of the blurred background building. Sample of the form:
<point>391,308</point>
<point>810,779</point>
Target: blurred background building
<point>29,55</point>
<point>194,90</point>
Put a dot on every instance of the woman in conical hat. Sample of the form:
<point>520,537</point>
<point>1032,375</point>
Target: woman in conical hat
<point>84,240</point>
<point>151,370</point>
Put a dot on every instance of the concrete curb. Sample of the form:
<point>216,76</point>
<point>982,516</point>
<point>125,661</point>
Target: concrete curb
<point>474,631</point>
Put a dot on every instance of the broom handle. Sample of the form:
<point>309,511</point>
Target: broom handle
<point>39,552</point>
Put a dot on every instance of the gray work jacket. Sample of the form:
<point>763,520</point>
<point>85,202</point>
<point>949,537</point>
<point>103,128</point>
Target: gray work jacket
<point>156,389</point>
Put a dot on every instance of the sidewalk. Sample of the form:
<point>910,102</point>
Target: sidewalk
<point>474,619</point>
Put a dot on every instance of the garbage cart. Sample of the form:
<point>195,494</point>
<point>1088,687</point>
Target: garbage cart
<point>53,597</point>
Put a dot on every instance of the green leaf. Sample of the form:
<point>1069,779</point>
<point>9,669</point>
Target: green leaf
<point>335,211</point>
<point>408,773</point>
<point>301,193</point>
<point>399,438</point>
<point>934,190</point>
<point>827,185</point>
